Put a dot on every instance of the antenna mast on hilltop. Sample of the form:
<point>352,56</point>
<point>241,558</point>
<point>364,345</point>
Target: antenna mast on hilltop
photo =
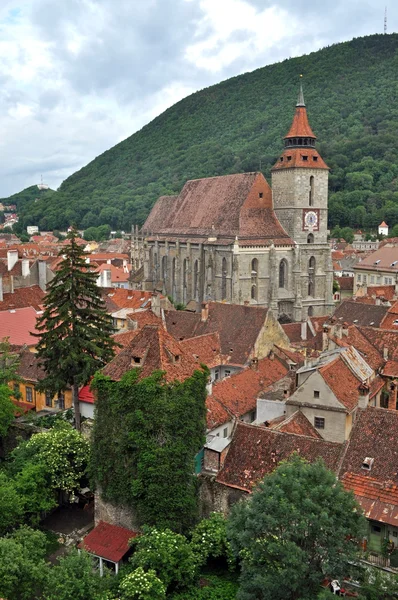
<point>385,20</point>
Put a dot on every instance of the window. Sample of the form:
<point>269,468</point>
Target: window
<point>260,195</point>
<point>311,276</point>
<point>389,281</point>
<point>365,278</point>
<point>16,389</point>
<point>311,194</point>
<point>252,416</point>
<point>281,159</point>
<point>224,279</point>
<point>378,280</point>
<point>225,432</point>
<point>164,267</point>
<point>372,279</point>
<point>196,280</point>
<point>173,277</point>
<point>61,400</point>
<point>289,158</point>
<point>316,393</point>
<point>310,238</point>
<point>217,374</point>
<point>227,373</point>
<point>359,278</point>
<point>253,293</point>
<point>29,394</point>
<point>283,274</point>
<point>49,399</point>
<point>319,423</point>
<point>304,158</point>
<point>314,158</point>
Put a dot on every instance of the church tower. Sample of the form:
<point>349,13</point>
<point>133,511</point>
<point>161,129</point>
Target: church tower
<point>300,183</point>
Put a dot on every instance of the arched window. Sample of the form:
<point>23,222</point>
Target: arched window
<point>196,280</point>
<point>254,292</point>
<point>283,274</point>
<point>311,198</point>
<point>310,311</point>
<point>184,280</point>
<point>173,277</point>
<point>224,279</point>
<point>311,277</point>
<point>310,238</point>
<point>254,279</point>
<point>164,268</point>
<point>155,264</point>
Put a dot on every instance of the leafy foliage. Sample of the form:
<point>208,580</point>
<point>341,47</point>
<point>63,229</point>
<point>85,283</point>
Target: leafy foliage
<point>11,504</point>
<point>142,585</point>
<point>209,540</point>
<point>230,127</point>
<point>168,554</point>
<point>7,409</point>
<point>75,329</point>
<point>156,430</point>
<point>294,531</point>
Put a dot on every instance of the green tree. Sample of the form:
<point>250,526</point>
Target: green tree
<point>75,577</point>
<point>294,530</point>
<point>7,410</point>
<point>168,554</point>
<point>156,430</point>
<point>142,585</point>
<point>377,585</point>
<point>75,330</point>
<point>11,504</point>
<point>209,540</point>
<point>22,566</point>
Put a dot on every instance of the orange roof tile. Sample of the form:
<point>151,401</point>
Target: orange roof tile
<point>205,349</point>
<point>17,325</point>
<point>299,424</point>
<point>305,157</point>
<point>342,382</point>
<point>378,499</point>
<point>216,413</point>
<point>300,126</point>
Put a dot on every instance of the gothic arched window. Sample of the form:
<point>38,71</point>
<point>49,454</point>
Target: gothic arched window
<point>224,279</point>
<point>254,279</point>
<point>155,264</point>
<point>311,276</point>
<point>164,267</point>
<point>196,280</point>
<point>311,198</point>
<point>310,238</point>
<point>283,273</point>
<point>173,277</point>
<point>184,280</point>
<point>254,292</point>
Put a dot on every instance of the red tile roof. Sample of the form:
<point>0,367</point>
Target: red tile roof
<point>299,424</point>
<point>124,339</point>
<point>29,366</point>
<point>108,541</point>
<point>300,126</point>
<point>382,339</point>
<point>86,395</point>
<point>23,297</point>
<point>378,499</point>
<point>390,369</point>
<point>361,343</point>
<point>205,349</point>
<point>256,451</point>
<point>304,157</point>
<point>17,325</point>
<point>346,283</point>
<point>239,392</point>
<point>216,413</point>
<point>152,349</point>
<point>343,383</point>
<point>133,299</point>
<point>238,327</point>
<point>390,320</point>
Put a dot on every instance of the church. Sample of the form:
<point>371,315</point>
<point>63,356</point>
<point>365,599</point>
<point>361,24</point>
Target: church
<point>235,239</point>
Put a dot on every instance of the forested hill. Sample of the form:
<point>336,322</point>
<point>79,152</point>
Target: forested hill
<point>351,92</point>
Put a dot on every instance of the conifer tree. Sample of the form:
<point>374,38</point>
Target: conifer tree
<point>75,330</point>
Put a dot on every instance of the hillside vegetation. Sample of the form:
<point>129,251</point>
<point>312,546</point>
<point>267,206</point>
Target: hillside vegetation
<point>351,94</point>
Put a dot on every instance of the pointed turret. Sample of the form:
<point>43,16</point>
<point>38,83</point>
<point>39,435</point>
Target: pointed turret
<point>300,99</point>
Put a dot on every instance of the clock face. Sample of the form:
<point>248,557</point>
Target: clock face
<point>311,220</point>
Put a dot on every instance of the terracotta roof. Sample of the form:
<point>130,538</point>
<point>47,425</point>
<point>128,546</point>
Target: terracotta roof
<point>295,357</point>
<point>346,283</point>
<point>124,338</point>
<point>205,349</point>
<point>227,206</point>
<point>17,325</point>
<point>152,349</point>
<point>375,386</point>
<point>390,320</point>
<point>299,424</point>
<point>122,298</point>
<point>300,126</point>
<point>108,541</point>
<point>256,451</point>
<point>29,366</point>
<point>216,413</point>
<point>305,157</point>
<point>381,339</point>
<point>237,325</point>
<point>385,257</point>
<point>144,317</point>
<point>383,224</point>
<point>342,382</point>
<point>23,297</point>
<point>361,343</point>
<point>239,392</point>
<point>356,313</point>
<point>118,274</point>
<point>378,499</point>
<point>390,369</point>
<point>86,395</point>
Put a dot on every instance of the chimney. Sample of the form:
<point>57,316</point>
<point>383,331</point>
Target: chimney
<point>25,267</point>
<point>1,288</point>
<point>304,330</point>
<point>254,363</point>
<point>325,338</point>
<point>338,330</point>
<point>344,329</point>
<point>107,278</point>
<point>363,399</point>
<point>12,258</point>
<point>209,386</point>
<point>385,352</point>
<point>205,311</point>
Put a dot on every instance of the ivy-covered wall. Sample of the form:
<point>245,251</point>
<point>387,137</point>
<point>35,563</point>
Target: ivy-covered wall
<point>145,438</point>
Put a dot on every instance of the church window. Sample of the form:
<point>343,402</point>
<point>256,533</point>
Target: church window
<point>155,264</point>
<point>254,278</point>
<point>260,195</point>
<point>164,267</point>
<point>173,277</point>
<point>224,279</point>
<point>254,292</point>
<point>311,276</point>
<point>283,274</point>
<point>196,280</point>
<point>311,195</point>
<point>310,238</point>
<point>305,158</point>
<point>310,311</point>
<point>184,280</point>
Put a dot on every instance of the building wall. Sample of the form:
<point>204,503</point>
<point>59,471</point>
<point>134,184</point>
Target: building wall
<point>214,497</point>
<point>114,514</point>
<point>39,398</point>
<point>370,277</point>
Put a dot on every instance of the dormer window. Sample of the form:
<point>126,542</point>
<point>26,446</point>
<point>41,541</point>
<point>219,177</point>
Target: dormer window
<point>260,195</point>
<point>289,158</point>
<point>281,159</point>
<point>368,463</point>
<point>304,157</point>
<point>137,360</point>
<point>314,158</point>
<point>177,358</point>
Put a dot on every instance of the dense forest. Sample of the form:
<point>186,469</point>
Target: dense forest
<point>351,92</point>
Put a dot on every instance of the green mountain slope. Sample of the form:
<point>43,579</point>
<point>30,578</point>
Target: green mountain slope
<point>26,197</point>
<point>351,92</point>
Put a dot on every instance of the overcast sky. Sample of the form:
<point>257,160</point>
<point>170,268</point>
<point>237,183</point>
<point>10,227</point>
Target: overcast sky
<point>78,76</point>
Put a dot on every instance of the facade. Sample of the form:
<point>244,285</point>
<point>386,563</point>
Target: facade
<point>379,268</point>
<point>383,228</point>
<point>233,239</point>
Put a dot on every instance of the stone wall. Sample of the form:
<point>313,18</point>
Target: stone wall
<point>215,497</point>
<point>114,514</point>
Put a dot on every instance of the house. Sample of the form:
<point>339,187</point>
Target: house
<point>86,402</point>
<point>355,312</point>
<point>379,268</point>
<point>109,544</point>
<point>346,286</point>
<point>383,229</point>
<point>23,297</point>
<point>330,390</point>
<point>18,325</point>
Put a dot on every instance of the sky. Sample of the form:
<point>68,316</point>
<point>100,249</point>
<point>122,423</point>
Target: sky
<point>79,76</point>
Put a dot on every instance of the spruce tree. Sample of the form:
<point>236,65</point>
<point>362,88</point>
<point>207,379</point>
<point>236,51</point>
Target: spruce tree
<point>75,330</point>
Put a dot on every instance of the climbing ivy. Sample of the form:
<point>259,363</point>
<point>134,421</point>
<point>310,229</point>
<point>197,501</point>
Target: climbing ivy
<point>145,438</point>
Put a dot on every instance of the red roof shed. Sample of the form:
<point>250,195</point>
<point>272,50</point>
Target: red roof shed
<point>110,542</point>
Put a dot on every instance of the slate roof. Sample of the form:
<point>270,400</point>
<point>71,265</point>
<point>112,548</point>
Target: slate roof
<point>238,327</point>
<point>152,349</point>
<point>357,313</point>
<point>255,451</point>
<point>239,392</point>
<point>108,541</point>
<point>219,207</point>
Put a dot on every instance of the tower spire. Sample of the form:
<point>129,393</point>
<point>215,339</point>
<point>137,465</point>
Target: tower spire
<point>300,99</point>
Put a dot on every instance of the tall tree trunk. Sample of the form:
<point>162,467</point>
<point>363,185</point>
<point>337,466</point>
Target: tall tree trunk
<point>75,395</point>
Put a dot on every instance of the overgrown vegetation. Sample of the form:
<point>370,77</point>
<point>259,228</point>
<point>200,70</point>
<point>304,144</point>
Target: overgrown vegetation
<point>145,437</point>
<point>237,126</point>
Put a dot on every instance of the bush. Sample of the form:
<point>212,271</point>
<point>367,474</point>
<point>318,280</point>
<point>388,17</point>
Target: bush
<point>142,585</point>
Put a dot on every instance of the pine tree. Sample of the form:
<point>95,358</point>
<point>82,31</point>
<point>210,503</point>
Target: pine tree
<point>75,330</point>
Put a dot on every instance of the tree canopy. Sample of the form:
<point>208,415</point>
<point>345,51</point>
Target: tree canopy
<point>295,530</point>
